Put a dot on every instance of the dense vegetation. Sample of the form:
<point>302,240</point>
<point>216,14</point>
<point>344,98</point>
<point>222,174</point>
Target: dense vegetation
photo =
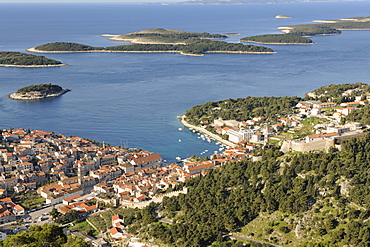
<point>66,46</point>
<point>170,36</point>
<point>199,47</point>
<point>47,235</point>
<point>277,39</point>
<point>323,197</point>
<point>361,115</point>
<point>331,28</point>
<point>242,108</point>
<point>18,58</point>
<point>42,88</point>
<point>313,30</point>
<point>325,93</point>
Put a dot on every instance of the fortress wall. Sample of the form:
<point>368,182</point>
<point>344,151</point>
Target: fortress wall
<point>324,144</point>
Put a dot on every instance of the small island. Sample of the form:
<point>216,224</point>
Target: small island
<point>18,59</point>
<point>163,36</point>
<point>278,39</point>
<point>282,17</point>
<point>328,27</point>
<point>41,91</point>
<point>160,40</point>
<point>297,34</point>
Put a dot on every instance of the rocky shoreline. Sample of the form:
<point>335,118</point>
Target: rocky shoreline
<point>265,43</point>
<point>35,96</point>
<point>32,66</point>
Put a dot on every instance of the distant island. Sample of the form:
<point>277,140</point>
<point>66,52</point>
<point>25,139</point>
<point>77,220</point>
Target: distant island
<point>297,34</point>
<point>282,17</point>
<point>231,2</point>
<point>160,40</point>
<point>18,59</point>
<point>40,91</point>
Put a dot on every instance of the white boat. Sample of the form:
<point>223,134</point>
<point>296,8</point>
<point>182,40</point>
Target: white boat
<point>206,150</point>
<point>180,140</point>
<point>180,129</point>
<point>178,158</point>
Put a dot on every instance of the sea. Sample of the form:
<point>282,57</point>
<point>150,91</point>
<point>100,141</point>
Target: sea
<point>133,100</point>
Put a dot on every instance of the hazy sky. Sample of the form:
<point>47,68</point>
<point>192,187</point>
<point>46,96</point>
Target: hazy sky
<point>74,1</point>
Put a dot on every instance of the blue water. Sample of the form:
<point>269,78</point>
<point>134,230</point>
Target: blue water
<point>135,98</point>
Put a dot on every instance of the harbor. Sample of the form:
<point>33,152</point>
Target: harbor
<point>207,135</point>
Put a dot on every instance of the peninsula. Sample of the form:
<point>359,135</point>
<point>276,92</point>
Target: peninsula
<point>40,91</point>
<point>18,59</point>
<point>160,40</point>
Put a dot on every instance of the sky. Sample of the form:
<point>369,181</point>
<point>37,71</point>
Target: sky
<point>72,1</point>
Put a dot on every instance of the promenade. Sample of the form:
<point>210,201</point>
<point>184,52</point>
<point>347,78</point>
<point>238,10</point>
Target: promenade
<point>206,132</point>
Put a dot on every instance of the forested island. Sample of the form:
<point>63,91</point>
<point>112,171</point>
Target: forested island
<point>197,48</point>
<point>40,91</point>
<point>18,59</point>
<point>164,36</point>
<point>297,34</point>
<point>278,39</point>
<point>160,40</point>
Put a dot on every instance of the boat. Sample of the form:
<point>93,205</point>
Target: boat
<point>178,158</point>
<point>180,140</point>
<point>180,129</point>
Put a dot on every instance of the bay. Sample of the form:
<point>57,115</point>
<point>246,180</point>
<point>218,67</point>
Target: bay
<point>135,98</point>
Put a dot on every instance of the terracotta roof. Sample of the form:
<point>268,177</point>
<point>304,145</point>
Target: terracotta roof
<point>148,158</point>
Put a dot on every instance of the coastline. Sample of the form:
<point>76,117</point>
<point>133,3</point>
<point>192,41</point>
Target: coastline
<point>241,52</point>
<point>18,96</point>
<point>33,66</point>
<point>180,52</point>
<point>206,132</point>
<point>139,41</point>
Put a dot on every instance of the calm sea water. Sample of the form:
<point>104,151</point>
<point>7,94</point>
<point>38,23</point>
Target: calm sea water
<point>135,98</point>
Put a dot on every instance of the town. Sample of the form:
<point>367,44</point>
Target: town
<point>46,171</point>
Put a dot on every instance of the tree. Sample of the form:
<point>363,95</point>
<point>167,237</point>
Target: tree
<point>55,214</point>
<point>47,235</point>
